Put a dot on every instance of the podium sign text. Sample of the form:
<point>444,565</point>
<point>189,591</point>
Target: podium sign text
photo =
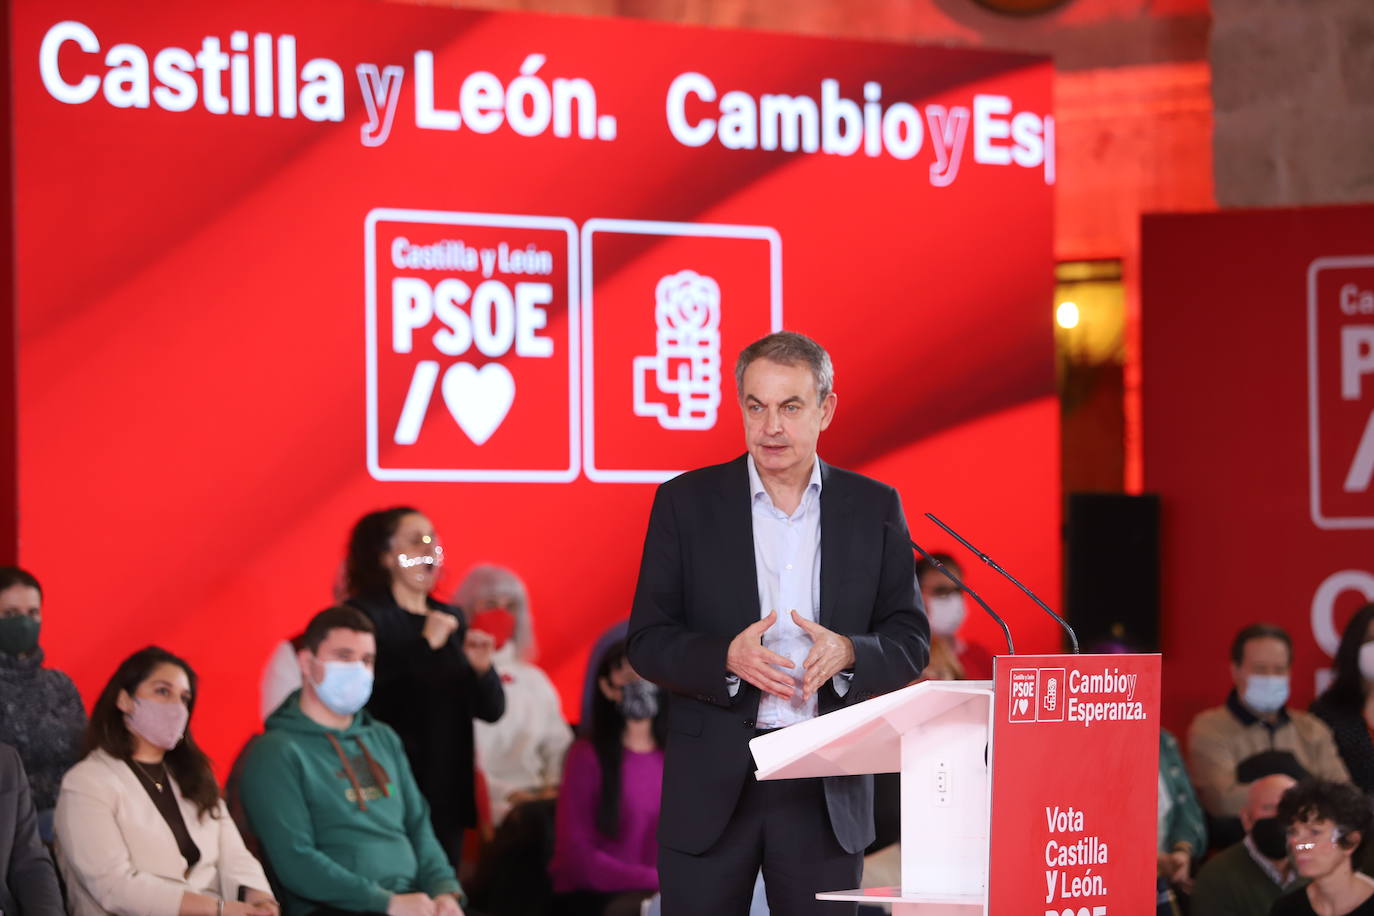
<point>1075,785</point>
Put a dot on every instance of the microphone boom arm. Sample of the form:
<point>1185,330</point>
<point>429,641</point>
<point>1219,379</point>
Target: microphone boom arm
<point>1006,631</point>
<point>1073,637</point>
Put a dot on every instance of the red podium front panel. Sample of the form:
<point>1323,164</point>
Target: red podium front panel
<point>1075,785</point>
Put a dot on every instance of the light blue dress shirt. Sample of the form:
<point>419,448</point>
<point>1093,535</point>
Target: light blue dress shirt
<point>787,560</point>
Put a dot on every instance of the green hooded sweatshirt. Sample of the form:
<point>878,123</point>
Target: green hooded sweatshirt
<point>326,845</point>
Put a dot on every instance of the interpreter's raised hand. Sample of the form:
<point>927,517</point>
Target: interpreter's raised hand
<point>479,644</point>
<point>748,660</point>
<point>410,905</point>
<point>439,626</point>
<point>830,654</point>
<point>447,905</point>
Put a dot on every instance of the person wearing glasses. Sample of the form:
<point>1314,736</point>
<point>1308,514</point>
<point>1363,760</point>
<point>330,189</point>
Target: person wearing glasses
<point>1327,823</point>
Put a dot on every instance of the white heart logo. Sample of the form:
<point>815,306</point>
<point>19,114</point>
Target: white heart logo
<point>479,399</point>
<point>1022,705</point>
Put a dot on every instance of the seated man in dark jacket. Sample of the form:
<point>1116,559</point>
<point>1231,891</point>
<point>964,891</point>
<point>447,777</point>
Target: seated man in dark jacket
<point>1246,879</point>
<point>28,881</point>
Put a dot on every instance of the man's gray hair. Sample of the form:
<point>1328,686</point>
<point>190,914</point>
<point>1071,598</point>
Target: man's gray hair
<point>789,349</point>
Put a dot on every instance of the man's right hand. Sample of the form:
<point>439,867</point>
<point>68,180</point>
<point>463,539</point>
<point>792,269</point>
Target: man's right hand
<point>748,660</point>
<point>410,905</point>
<point>439,626</point>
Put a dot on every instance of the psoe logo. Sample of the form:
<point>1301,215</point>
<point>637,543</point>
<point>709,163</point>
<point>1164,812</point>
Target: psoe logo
<point>1036,695</point>
<point>1024,683</point>
<point>472,350</point>
<point>1051,695</point>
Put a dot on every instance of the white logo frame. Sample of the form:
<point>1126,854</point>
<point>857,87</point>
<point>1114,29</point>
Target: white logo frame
<point>483,475</point>
<point>1314,453</point>
<point>654,227</point>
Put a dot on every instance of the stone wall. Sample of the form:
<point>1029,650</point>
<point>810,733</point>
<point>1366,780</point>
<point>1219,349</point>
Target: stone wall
<point>1293,95</point>
<point>1132,90</point>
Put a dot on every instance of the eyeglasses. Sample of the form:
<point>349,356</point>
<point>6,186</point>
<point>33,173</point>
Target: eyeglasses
<point>1308,845</point>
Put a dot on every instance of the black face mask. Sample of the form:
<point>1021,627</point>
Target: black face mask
<point>638,700</point>
<point>1270,838</point>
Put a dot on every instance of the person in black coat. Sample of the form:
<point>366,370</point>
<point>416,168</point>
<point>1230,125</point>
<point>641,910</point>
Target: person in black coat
<point>434,675</point>
<point>1347,706</point>
<point>28,881</point>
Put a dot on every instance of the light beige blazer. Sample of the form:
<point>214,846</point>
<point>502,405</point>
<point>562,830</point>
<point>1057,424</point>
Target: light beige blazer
<point>118,855</point>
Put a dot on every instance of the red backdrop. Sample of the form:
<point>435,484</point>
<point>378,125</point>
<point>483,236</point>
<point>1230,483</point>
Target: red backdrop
<point>1250,438</point>
<point>220,328</point>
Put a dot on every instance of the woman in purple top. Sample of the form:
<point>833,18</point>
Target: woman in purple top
<point>605,848</point>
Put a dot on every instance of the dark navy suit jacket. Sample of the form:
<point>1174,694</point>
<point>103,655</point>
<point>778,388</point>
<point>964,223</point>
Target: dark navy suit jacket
<point>698,589</point>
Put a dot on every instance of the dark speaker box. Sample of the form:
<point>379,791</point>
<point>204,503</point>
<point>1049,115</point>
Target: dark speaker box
<point>1111,561</point>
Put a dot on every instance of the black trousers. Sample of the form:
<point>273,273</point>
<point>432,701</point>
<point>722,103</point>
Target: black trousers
<point>780,826</point>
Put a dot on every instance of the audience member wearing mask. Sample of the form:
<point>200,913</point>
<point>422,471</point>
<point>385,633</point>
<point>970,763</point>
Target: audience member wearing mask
<point>1347,706</point>
<point>141,827</point>
<point>28,881</point>
<point>616,632</point>
<point>330,794</point>
<point>1326,823</point>
<point>41,715</point>
<point>1246,878</point>
<point>1254,721</point>
<point>521,753</point>
<point>434,674</point>
<point>1182,836</point>
<point>605,850</point>
<point>951,658</point>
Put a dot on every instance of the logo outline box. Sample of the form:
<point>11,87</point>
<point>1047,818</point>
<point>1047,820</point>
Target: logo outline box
<point>1040,690</point>
<point>1319,518</point>
<point>470,475</point>
<point>587,306</point>
<point>1032,675</point>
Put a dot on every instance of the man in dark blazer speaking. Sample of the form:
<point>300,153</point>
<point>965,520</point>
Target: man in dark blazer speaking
<point>773,588</point>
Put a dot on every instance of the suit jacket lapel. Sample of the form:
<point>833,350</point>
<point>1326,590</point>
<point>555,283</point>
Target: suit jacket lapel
<point>835,511</point>
<point>737,535</point>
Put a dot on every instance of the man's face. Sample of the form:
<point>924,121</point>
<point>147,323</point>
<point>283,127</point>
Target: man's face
<point>1264,655</point>
<point>339,645</point>
<point>1263,797</point>
<point>782,418</point>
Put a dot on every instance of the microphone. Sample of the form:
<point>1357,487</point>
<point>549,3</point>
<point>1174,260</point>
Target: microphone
<point>964,588</point>
<point>1073,637</point>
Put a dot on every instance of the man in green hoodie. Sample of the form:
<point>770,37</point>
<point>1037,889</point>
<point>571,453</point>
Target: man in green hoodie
<point>330,794</point>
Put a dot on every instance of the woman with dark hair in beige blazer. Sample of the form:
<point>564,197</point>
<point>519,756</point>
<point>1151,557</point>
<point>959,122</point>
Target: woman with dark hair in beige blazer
<point>141,827</point>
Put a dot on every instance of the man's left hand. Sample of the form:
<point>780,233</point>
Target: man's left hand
<point>830,654</point>
<point>447,905</point>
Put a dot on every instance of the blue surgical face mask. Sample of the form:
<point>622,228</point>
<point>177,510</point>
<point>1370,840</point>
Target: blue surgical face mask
<point>345,687</point>
<point>1266,693</point>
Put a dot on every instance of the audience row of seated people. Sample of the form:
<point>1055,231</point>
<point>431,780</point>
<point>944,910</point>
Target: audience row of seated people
<point>429,672</point>
<point>359,791</point>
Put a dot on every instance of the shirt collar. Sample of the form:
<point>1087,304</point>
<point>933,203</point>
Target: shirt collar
<point>756,487</point>
<point>1266,866</point>
<point>1248,718</point>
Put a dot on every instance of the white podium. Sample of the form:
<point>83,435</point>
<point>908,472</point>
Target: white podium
<point>936,735</point>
